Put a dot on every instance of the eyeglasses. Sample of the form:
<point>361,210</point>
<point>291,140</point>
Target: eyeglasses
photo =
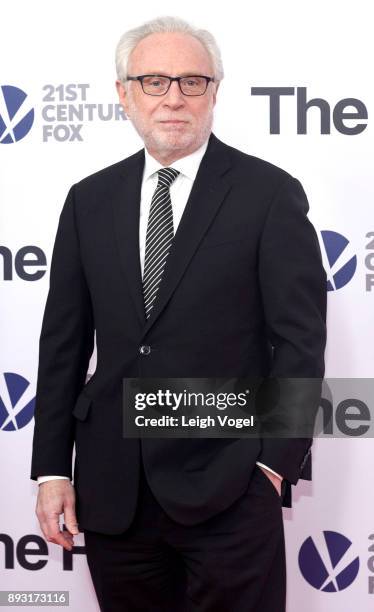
<point>158,85</point>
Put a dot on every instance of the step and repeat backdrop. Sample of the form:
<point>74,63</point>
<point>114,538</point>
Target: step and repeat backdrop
<point>297,92</point>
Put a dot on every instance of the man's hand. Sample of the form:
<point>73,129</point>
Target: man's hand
<point>54,498</point>
<point>277,482</point>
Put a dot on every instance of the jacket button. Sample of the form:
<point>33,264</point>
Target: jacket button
<point>145,349</point>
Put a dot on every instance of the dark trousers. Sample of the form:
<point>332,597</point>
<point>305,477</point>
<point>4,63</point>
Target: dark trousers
<point>232,562</point>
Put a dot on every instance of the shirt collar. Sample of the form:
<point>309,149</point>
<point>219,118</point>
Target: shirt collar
<point>187,165</point>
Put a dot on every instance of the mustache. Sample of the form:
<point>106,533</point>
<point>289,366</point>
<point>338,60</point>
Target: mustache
<point>187,119</point>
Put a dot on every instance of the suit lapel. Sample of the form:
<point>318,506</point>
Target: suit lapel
<point>208,192</point>
<point>126,210</point>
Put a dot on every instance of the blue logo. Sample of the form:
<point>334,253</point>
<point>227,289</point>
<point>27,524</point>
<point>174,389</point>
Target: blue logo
<point>330,567</point>
<point>16,116</point>
<point>342,262</point>
<point>16,409</point>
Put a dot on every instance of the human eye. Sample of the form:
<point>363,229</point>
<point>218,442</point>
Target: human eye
<point>192,81</point>
<point>155,82</point>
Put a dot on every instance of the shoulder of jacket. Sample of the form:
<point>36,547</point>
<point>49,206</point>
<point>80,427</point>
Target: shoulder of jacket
<point>107,174</point>
<point>261,167</point>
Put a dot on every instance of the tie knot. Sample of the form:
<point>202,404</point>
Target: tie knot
<point>166,176</point>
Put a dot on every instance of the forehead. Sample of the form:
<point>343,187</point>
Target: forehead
<point>172,53</point>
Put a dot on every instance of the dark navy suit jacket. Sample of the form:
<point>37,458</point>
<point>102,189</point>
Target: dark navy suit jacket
<point>243,294</point>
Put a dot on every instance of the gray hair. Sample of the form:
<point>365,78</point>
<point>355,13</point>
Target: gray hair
<point>131,38</point>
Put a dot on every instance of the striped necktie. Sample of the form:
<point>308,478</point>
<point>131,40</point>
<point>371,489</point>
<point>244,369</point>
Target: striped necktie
<point>160,233</point>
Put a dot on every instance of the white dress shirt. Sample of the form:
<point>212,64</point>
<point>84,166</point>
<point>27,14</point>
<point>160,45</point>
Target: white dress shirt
<point>179,193</point>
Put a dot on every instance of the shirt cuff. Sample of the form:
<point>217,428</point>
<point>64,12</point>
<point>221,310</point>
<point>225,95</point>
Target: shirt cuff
<point>270,470</point>
<point>46,478</point>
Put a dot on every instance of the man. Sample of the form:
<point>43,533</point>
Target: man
<point>189,259</point>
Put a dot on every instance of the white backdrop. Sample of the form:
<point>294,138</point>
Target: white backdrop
<point>323,47</point>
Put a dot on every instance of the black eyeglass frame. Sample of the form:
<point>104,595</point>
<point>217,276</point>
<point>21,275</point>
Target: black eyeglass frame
<point>171,79</point>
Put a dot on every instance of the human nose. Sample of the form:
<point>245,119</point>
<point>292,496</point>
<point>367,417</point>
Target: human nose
<point>174,96</point>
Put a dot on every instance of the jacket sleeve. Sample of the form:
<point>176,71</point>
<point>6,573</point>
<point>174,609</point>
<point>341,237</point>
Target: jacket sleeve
<point>294,292</point>
<point>65,347</point>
